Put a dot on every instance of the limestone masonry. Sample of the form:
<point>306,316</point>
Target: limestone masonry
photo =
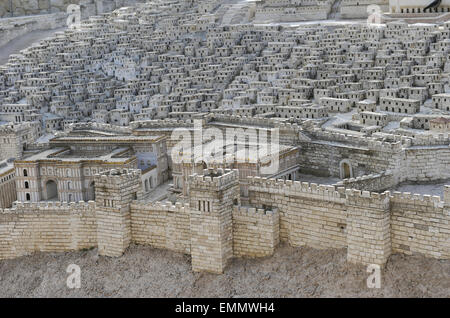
<point>219,129</point>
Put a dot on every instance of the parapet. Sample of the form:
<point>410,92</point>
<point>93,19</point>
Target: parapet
<point>50,206</point>
<point>162,123</point>
<point>14,128</point>
<point>418,199</point>
<point>371,143</point>
<point>243,120</point>
<point>214,179</point>
<point>166,206</point>
<point>98,126</point>
<point>371,182</point>
<point>287,187</point>
<point>254,212</point>
<point>117,176</point>
<point>431,140</point>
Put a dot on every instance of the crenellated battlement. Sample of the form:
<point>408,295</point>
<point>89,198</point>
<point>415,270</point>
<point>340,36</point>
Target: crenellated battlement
<point>214,179</point>
<point>370,182</point>
<point>162,123</point>
<point>166,206</point>
<point>252,121</point>
<point>15,128</point>
<point>278,186</point>
<point>117,176</point>
<point>243,120</point>
<point>288,187</point>
<point>254,212</point>
<point>431,140</point>
<point>417,199</point>
<point>50,206</point>
<point>364,178</point>
<point>97,126</point>
<point>367,198</point>
<point>361,141</point>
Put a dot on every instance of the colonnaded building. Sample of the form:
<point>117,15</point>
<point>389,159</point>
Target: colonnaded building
<point>110,131</point>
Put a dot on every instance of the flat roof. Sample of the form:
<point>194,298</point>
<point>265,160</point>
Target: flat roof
<point>52,155</point>
<point>91,139</point>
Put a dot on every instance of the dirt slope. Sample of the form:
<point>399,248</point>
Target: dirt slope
<point>291,272</point>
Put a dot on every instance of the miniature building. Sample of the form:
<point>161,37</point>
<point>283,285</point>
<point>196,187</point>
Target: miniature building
<point>440,125</point>
<point>8,192</point>
<point>400,105</point>
<point>372,118</point>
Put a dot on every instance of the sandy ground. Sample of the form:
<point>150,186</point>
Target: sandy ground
<point>22,42</point>
<point>291,272</point>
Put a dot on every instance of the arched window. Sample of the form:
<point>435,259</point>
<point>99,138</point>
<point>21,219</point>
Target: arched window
<point>27,186</point>
<point>25,173</point>
<point>28,197</point>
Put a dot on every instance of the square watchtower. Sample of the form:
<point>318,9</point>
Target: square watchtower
<point>114,191</point>
<point>212,196</point>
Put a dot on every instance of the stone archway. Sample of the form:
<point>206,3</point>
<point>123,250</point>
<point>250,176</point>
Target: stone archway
<point>51,190</point>
<point>345,169</point>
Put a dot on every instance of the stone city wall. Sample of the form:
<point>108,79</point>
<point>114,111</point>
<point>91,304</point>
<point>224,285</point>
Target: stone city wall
<point>423,158</point>
<point>256,232</point>
<point>425,163</point>
<point>161,225</point>
<point>324,158</point>
<point>310,214</point>
<point>370,225</point>
<point>11,28</point>
<point>16,8</point>
<point>290,14</point>
<point>420,224</point>
<point>357,9</point>
<point>32,15</point>
<point>373,182</point>
<point>47,227</point>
